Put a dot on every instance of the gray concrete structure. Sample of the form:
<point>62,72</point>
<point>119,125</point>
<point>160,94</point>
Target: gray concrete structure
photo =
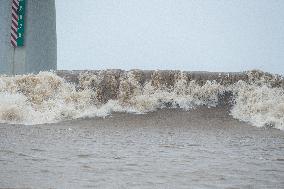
<point>40,50</point>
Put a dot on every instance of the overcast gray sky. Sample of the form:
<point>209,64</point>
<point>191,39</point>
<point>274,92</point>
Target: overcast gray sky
<point>209,35</point>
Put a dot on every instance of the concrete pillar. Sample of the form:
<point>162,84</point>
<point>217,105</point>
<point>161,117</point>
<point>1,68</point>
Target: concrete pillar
<point>6,51</point>
<point>40,49</point>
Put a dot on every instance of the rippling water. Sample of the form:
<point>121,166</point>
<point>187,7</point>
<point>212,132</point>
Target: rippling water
<point>170,148</point>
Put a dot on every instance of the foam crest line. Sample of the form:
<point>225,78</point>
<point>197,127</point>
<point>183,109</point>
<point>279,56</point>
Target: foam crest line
<point>254,96</point>
<point>168,75</point>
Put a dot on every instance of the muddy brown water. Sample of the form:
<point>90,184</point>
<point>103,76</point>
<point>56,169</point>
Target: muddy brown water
<point>170,148</point>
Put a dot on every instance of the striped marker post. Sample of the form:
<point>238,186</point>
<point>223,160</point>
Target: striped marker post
<point>17,28</point>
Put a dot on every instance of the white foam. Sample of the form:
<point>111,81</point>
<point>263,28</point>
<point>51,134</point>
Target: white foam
<point>259,105</point>
<point>47,98</point>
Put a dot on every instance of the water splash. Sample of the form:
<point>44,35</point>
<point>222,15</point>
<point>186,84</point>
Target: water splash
<point>48,97</point>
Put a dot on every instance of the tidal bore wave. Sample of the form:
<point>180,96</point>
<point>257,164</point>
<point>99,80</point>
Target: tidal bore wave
<point>48,97</point>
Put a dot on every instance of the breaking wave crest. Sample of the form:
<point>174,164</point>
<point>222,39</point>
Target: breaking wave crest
<point>255,97</point>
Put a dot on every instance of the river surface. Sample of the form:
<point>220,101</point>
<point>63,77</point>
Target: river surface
<point>170,148</point>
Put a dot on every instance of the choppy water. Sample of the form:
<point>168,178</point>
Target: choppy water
<point>169,129</point>
<point>201,148</point>
<point>256,97</point>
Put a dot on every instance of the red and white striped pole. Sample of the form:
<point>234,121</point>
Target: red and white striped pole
<point>15,19</point>
<point>17,27</point>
